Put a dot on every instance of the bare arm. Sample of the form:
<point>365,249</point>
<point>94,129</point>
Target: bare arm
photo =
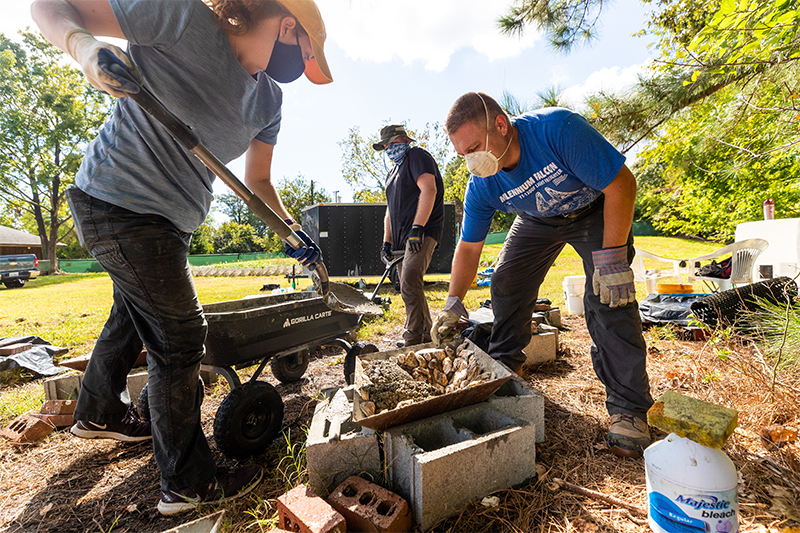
<point>465,265</point>
<point>387,227</point>
<point>56,17</point>
<point>427,197</point>
<point>258,176</point>
<point>620,195</point>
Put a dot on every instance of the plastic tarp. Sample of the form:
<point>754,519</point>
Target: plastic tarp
<point>668,308</point>
<point>39,358</point>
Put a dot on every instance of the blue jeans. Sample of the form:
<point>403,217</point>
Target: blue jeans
<point>155,304</point>
<point>619,353</point>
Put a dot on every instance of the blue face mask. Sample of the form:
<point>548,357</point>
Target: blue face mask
<point>286,62</point>
<point>396,152</point>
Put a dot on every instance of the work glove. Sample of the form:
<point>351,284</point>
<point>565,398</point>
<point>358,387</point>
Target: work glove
<point>309,254</point>
<point>613,277</point>
<point>443,329</point>
<point>415,238</point>
<point>86,50</point>
<point>386,252</point>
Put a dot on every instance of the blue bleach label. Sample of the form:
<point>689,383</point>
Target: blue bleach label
<point>694,513</point>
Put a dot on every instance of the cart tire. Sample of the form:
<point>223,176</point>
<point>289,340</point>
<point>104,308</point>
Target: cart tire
<point>290,368</point>
<point>248,420</point>
<point>361,347</point>
<point>15,283</point>
<point>143,405</point>
<point>143,402</point>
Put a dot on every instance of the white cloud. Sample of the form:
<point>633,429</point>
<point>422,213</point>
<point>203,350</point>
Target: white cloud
<point>613,79</point>
<point>430,31</point>
<point>16,16</point>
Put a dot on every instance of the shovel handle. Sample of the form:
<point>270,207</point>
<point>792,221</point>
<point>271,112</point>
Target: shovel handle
<point>189,139</point>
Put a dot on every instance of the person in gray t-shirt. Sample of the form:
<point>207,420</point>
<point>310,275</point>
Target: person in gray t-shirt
<point>139,195</point>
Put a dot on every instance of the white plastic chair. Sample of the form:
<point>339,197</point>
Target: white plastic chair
<point>650,277</point>
<point>744,254</point>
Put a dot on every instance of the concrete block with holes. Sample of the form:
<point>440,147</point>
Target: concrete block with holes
<point>303,511</point>
<point>543,345</point>
<point>370,507</point>
<point>26,428</point>
<point>427,460</point>
<point>337,447</point>
<point>63,387</point>
<point>518,399</point>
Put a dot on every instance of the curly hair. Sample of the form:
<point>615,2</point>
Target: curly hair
<point>238,16</point>
<point>469,108</point>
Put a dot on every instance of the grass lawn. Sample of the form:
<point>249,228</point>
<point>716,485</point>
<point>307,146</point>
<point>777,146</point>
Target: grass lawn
<point>69,310</point>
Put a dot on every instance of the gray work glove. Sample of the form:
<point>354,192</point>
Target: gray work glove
<point>443,329</point>
<point>85,49</point>
<point>613,277</point>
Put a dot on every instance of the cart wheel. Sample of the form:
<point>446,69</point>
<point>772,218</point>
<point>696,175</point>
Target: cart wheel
<point>248,420</point>
<point>143,402</point>
<point>290,367</point>
<point>358,348</point>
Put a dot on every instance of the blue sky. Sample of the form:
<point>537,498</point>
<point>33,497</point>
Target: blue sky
<point>408,61</point>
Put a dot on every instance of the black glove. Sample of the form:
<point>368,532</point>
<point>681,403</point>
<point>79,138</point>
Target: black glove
<point>386,252</point>
<point>307,255</point>
<point>415,238</point>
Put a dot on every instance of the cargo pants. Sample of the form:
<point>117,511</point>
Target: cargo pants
<point>618,349</point>
<point>155,303</point>
<point>411,270</point>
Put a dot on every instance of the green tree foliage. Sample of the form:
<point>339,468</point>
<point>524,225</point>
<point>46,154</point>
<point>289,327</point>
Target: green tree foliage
<point>689,185</point>
<point>566,23</point>
<point>232,237</point>
<point>48,114</point>
<point>203,239</point>
<point>236,210</point>
<point>365,169</point>
<point>299,193</point>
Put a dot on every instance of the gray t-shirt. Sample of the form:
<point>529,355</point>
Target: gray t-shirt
<point>188,64</point>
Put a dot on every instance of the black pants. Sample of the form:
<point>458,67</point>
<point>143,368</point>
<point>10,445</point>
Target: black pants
<point>618,347</point>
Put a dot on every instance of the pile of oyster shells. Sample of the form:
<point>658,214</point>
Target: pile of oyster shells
<point>415,376</point>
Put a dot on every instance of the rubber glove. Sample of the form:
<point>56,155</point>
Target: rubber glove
<point>85,49</point>
<point>386,252</point>
<point>307,255</point>
<point>443,329</point>
<point>415,238</point>
<point>613,278</point>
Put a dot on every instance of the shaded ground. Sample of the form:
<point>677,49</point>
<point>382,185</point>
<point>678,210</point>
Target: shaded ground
<point>66,484</point>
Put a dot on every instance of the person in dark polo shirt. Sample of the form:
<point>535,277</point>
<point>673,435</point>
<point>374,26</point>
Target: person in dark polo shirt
<point>413,223</point>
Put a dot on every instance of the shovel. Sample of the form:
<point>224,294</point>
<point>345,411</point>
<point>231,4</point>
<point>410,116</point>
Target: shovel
<point>337,296</point>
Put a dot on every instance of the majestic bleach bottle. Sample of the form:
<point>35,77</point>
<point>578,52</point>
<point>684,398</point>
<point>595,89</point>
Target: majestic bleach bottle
<point>691,488</point>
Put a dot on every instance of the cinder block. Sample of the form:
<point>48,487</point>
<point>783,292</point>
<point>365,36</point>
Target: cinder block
<point>337,448</point>
<point>517,399</point>
<point>543,345</point>
<point>441,463</point>
<point>553,317</point>
<point>136,383</point>
<point>303,511</point>
<point>63,387</point>
<point>11,349</point>
<point>26,428</point>
<point>705,423</point>
<point>368,507</point>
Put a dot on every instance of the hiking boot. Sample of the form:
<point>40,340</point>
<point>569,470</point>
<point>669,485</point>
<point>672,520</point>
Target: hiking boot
<point>226,485</point>
<point>129,429</point>
<point>628,436</point>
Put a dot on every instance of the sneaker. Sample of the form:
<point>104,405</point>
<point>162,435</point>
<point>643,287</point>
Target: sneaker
<point>226,485</point>
<point>628,436</point>
<point>129,429</point>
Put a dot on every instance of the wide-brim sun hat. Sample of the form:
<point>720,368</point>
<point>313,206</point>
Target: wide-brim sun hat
<point>388,134</point>
<point>308,16</point>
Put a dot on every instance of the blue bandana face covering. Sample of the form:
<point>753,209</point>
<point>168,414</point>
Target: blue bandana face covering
<point>286,62</point>
<point>396,152</point>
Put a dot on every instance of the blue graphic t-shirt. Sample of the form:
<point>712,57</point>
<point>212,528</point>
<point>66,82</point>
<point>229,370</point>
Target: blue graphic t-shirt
<point>564,164</point>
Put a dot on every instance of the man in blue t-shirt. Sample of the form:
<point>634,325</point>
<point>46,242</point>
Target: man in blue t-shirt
<point>413,223</point>
<point>567,184</point>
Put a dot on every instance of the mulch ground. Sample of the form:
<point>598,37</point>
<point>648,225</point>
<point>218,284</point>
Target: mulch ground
<point>65,484</point>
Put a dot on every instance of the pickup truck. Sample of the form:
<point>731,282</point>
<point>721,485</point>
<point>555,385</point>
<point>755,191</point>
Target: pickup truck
<point>16,270</point>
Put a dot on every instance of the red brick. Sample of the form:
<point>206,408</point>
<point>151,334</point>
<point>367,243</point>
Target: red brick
<point>26,428</point>
<point>58,407</point>
<point>369,508</point>
<point>11,349</point>
<point>303,511</point>
<point>58,421</point>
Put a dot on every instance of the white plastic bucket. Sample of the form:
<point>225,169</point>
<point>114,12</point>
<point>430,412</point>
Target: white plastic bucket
<point>574,287</point>
<point>690,488</point>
